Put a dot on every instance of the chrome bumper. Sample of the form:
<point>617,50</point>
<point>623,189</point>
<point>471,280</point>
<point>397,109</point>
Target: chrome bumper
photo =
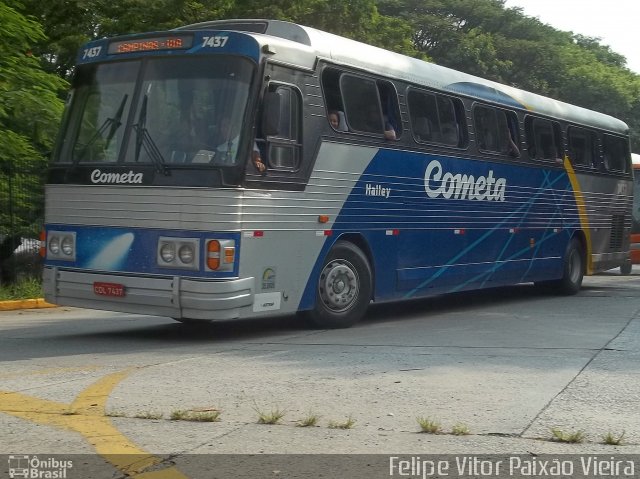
<point>176,297</point>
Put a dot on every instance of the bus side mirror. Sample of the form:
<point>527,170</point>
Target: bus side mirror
<point>271,114</point>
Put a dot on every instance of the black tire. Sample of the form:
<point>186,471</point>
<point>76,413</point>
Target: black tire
<point>573,271</point>
<point>625,269</point>
<point>344,288</point>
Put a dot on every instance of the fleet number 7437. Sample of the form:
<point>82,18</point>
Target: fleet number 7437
<point>214,42</point>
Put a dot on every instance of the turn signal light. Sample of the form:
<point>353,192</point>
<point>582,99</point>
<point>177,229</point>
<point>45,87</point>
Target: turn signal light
<point>221,255</point>
<point>213,254</point>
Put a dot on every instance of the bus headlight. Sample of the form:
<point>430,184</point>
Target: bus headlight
<point>178,253</point>
<point>67,245</point>
<point>186,253</point>
<point>54,245</point>
<point>61,245</point>
<point>168,252</point>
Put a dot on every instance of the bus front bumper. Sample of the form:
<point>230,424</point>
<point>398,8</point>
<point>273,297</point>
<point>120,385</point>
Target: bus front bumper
<point>176,297</point>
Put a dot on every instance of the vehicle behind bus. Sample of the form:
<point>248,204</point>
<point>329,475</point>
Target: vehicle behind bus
<point>635,227</point>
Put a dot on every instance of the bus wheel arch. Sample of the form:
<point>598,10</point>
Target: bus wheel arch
<point>344,287</point>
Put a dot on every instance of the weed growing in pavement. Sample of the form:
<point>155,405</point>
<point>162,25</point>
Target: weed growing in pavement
<point>116,414</point>
<point>428,426</point>
<point>309,420</point>
<point>148,415</point>
<point>271,417</point>
<point>460,430</point>
<point>561,436</point>
<point>612,440</point>
<point>347,424</point>
<point>196,416</point>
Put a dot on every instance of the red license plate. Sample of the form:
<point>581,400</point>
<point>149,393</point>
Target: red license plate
<point>109,289</point>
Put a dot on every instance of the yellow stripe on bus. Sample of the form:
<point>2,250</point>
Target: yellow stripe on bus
<point>582,210</point>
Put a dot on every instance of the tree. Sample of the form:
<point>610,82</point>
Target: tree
<point>29,114</point>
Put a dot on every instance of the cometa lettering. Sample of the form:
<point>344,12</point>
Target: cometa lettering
<point>130,177</point>
<point>458,186</point>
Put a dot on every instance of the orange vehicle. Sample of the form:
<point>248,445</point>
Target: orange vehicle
<point>635,227</point>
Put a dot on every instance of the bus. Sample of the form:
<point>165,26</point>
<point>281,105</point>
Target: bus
<point>426,181</point>
<point>634,256</point>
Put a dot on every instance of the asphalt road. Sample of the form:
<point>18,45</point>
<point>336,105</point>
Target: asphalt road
<point>505,366</point>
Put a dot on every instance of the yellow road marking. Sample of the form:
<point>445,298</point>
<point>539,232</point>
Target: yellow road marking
<point>86,415</point>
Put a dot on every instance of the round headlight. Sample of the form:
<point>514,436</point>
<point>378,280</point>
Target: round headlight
<point>168,252</point>
<point>186,254</point>
<point>54,245</point>
<point>67,245</point>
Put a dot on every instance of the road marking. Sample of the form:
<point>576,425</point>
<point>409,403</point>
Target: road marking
<point>86,415</point>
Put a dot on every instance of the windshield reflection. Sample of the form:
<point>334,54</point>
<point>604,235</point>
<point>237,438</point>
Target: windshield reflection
<point>189,111</point>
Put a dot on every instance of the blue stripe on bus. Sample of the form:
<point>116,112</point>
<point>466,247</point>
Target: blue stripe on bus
<point>426,257</point>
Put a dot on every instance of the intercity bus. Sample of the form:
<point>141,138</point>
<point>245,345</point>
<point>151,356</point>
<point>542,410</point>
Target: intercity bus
<point>433,181</point>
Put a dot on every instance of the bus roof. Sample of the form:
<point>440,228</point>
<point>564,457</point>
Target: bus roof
<point>377,60</point>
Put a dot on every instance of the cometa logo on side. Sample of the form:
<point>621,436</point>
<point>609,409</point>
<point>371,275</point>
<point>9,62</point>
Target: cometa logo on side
<point>459,186</point>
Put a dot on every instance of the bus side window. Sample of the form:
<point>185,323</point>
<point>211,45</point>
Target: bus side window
<point>370,106</point>
<point>434,118</point>
<point>284,147</point>
<point>543,139</point>
<point>582,147</point>
<point>616,153</point>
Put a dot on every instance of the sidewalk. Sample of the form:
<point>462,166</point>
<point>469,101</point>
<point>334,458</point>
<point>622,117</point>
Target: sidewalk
<point>25,304</point>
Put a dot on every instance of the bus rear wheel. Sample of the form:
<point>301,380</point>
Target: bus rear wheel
<point>344,288</point>
<point>574,268</point>
<point>625,269</point>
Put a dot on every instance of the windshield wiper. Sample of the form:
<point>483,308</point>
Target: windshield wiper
<point>112,123</point>
<point>144,140</point>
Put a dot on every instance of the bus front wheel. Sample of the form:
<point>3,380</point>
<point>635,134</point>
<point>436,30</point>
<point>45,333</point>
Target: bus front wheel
<point>344,288</point>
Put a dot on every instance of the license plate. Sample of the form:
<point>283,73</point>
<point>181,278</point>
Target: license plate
<point>109,289</point>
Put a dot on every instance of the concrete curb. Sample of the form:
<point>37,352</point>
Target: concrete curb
<point>25,304</point>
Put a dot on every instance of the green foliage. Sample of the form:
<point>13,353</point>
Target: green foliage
<point>480,37</point>
<point>29,114</point>
<point>28,288</point>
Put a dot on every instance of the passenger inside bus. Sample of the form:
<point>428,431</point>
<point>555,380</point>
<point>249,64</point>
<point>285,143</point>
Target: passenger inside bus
<point>337,120</point>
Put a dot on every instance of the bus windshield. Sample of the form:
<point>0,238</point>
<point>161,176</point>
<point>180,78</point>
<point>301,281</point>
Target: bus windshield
<point>186,111</point>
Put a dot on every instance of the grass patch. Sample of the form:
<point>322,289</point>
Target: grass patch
<point>612,440</point>
<point>346,424</point>
<point>460,430</point>
<point>195,416</point>
<point>29,288</point>
<point>569,437</point>
<point>310,420</point>
<point>272,417</point>
<point>428,426</point>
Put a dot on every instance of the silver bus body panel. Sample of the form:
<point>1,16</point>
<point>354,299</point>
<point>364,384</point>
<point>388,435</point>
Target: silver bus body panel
<point>288,247</point>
